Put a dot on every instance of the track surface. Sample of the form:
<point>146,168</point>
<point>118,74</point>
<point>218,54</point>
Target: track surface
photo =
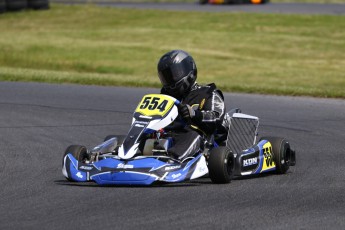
<point>38,121</point>
<point>280,8</point>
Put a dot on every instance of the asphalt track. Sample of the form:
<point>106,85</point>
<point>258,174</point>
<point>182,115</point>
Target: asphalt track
<point>38,122</point>
<point>279,8</point>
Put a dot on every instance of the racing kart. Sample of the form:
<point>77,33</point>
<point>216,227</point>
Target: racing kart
<point>233,1</point>
<point>142,156</point>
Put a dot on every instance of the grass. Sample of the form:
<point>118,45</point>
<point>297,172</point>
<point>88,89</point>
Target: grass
<point>254,53</point>
<point>192,1</point>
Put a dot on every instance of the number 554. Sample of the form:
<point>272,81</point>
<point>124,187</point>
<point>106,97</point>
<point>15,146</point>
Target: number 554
<point>153,103</point>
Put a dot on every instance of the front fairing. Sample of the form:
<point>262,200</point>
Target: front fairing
<point>154,112</point>
<point>138,171</point>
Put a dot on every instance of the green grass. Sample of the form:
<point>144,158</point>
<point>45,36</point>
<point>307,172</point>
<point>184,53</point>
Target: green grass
<point>192,1</point>
<point>255,53</point>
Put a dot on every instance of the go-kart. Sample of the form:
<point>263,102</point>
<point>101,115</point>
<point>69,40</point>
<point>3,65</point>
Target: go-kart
<point>142,156</point>
<point>233,1</point>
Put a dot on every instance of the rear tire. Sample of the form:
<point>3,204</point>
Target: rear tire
<point>221,165</point>
<point>281,153</point>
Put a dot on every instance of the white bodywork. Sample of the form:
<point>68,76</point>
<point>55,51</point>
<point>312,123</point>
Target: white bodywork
<point>156,125</point>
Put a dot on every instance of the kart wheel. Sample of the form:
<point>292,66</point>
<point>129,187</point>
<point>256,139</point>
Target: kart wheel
<point>202,2</point>
<point>282,153</point>
<point>78,151</point>
<point>221,165</point>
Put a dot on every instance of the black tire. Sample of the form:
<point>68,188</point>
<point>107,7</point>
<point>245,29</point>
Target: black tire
<point>15,5</point>
<point>281,153</point>
<point>38,4</point>
<point>202,2</point>
<point>2,6</point>
<point>221,165</point>
<point>78,151</point>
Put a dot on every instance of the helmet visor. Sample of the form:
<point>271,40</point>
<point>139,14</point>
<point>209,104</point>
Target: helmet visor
<point>183,83</point>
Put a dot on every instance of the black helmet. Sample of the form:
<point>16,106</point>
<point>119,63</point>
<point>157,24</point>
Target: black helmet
<point>177,72</point>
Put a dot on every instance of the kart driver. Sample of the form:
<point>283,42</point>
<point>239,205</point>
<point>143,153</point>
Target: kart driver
<point>202,107</point>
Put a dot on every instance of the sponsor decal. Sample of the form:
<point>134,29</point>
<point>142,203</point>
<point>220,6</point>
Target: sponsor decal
<point>250,161</point>
<point>140,126</point>
<point>86,167</point>
<point>202,169</point>
<point>141,122</point>
<point>79,175</point>
<point>123,166</point>
<point>268,156</point>
<point>202,104</point>
<point>145,117</point>
<point>176,175</point>
<point>172,167</point>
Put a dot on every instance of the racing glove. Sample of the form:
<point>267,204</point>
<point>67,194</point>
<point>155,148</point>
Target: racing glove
<point>187,112</point>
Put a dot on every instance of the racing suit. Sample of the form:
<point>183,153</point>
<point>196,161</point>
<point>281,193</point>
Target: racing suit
<point>209,109</point>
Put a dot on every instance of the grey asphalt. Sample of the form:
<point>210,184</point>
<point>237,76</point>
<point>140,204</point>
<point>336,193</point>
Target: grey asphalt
<point>38,122</point>
<point>279,8</point>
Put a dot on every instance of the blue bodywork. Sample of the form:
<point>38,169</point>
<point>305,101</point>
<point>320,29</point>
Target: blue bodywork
<point>255,160</point>
<point>140,171</point>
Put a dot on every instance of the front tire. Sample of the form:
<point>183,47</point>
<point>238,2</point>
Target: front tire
<point>221,164</point>
<point>79,152</point>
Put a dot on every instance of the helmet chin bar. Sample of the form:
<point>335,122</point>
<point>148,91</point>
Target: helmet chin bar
<point>183,86</point>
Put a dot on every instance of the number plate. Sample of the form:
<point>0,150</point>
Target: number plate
<point>155,105</point>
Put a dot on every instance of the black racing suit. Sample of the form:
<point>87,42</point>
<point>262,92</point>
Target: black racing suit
<point>208,103</point>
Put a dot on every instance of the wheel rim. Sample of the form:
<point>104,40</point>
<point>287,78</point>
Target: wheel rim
<point>287,156</point>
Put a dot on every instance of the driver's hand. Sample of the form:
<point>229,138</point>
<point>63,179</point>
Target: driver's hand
<point>186,111</point>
